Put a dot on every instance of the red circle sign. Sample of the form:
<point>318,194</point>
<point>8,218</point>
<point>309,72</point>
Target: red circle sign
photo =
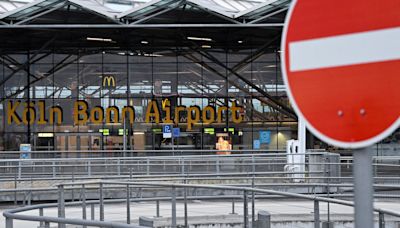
<point>341,65</point>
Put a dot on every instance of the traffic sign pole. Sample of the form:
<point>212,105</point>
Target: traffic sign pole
<point>363,188</point>
<point>172,139</point>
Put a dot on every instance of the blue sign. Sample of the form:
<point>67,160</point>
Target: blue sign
<point>176,132</point>
<point>256,144</point>
<point>24,156</point>
<point>265,137</point>
<point>167,131</point>
<point>26,151</point>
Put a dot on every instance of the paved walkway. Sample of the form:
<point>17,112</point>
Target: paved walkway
<point>117,212</point>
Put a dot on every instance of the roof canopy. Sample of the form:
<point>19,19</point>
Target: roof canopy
<point>22,12</point>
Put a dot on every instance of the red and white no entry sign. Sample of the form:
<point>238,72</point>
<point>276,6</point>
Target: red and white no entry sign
<point>341,65</point>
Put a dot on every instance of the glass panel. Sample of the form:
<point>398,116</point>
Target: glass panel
<point>135,78</point>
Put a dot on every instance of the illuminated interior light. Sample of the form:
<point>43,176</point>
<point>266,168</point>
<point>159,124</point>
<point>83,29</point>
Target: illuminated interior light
<point>100,39</point>
<point>199,38</point>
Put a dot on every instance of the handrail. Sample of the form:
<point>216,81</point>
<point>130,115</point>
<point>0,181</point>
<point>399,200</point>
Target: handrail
<point>391,186</point>
<point>249,189</point>
<point>12,214</point>
<point>142,151</point>
<point>167,157</point>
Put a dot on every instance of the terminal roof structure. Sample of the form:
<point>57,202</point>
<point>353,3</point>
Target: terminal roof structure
<point>195,29</point>
<point>23,12</point>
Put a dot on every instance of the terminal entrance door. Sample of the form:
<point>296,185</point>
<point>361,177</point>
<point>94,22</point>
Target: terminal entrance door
<point>44,143</point>
<point>78,144</point>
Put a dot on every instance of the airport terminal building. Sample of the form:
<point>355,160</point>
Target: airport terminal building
<point>109,75</point>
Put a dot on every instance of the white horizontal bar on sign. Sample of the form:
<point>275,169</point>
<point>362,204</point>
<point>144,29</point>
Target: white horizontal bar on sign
<point>344,50</point>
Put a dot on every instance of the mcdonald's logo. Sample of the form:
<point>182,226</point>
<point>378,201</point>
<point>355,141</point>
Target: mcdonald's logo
<point>108,81</point>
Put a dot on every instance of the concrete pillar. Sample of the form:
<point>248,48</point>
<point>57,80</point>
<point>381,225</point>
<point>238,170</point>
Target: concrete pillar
<point>9,223</point>
<point>327,224</point>
<point>147,222</point>
<point>263,219</point>
<point>301,135</point>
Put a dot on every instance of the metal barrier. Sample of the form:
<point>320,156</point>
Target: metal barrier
<point>177,192</point>
<point>239,170</point>
<point>44,154</point>
<point>109,166</point>
<point>75,167</point>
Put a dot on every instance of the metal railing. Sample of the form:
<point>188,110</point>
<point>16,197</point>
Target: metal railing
<point>238,170</point>
<point>109,166</point>
<point>44,154</point>
<point>177,192</point>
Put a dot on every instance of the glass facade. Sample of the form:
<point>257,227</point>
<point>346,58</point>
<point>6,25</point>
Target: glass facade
<point>53,79</point>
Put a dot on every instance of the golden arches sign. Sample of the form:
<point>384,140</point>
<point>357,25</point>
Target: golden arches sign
<point>109,81</point>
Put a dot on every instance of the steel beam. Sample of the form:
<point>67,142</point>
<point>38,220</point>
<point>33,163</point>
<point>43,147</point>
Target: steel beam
<point>214,13</point>
<point>234,83</point>
<point>56,68</point>
<point>158,13</point>
<point>29,61</point>
<point>268,15</point>
<point>130,26</point>
<point>40,14</point>
<point>277,104</point>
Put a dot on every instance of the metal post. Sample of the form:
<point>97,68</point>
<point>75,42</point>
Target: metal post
<point>54,168</point>
<point>157,208</point>
<point>185,206</point>
<point>29,197</point>
<point>381,220</point>
<point>264,220</point>
<point>61,205</point>
<point>253,209</point>
<point>24,200</point>
<point>233,206</point>
<point>124,137</point>
<point>316,214</point>
<point>217,165</point>
<point>172,142</point>
<point>72,190</point>
<point>253,165</point>
<point>15,191</point>
<point>128,204</point>
<point>46,225</point>
<point>73,174</point>
<point>363,190</point>
<point>89,169</point>
<point>173,201</point>
<point>101,202</point>
<point>9,223</point>
<point>92,211</point>
<point>41,214</point>
<point>19,169</point>
<point>119,166</point>
<point>83,199</point>
<point>328,189</point>
<point>245,210</point>
<point>182,166</point>
<point>148,167</point>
